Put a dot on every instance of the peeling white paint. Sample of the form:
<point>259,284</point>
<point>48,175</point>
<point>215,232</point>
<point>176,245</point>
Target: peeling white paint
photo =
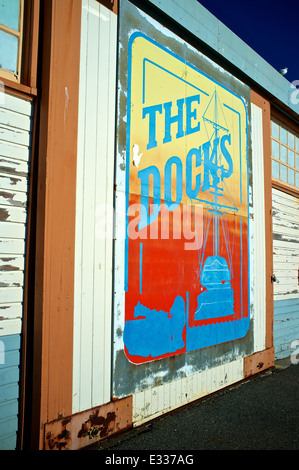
<point>136,155</point>
<point>163,398</point>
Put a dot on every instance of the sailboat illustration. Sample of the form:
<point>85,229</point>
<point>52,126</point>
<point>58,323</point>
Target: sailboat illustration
<point>217,300</point>
<point>217,317</point>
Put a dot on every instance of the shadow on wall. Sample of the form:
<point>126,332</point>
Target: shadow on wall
<point>111,4</point>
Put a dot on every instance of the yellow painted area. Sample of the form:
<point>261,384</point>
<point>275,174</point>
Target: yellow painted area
<point>158,77</point>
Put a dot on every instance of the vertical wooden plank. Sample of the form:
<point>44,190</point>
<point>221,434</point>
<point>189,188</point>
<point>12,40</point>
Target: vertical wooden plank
<point>110,155</point>
<point>154,401</point>
<point>268,221</point>
<point>79,210</point>
<point>85,210</point>
<point>264,105</point>
<point>202,384</point>
<point>54,289</point>
<point>259,229</point>
<point>89,209</point>
<point>138,407</point>
<point>100,313</point>
<point>30,43</point>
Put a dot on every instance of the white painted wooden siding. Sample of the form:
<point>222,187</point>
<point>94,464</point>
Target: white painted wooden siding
<point>285,267</point>
<point>257,254</point>
<point>15,143</point>
<point>95,173</point>
<point>156,401</point>
<point>285,245</point>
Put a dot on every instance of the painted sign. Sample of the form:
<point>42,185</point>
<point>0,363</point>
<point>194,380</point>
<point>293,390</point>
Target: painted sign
<point>186,250</point>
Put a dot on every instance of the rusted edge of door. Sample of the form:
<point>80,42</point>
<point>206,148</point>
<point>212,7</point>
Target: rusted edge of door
<point>88,427</point>
<point>258,362</point>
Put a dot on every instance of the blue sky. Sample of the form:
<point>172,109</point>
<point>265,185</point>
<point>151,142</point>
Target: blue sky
<point>269,27</point>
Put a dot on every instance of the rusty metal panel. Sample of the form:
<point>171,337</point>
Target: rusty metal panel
<point>258,362</point>
<point>163,330</point>
<point>86,428</point>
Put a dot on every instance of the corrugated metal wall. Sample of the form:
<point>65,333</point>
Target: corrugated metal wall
<point>286,266</point>
<point>15,143</point>
<point>94,210</point>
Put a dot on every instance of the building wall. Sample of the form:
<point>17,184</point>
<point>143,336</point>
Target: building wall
<point>286,262</point>
<point>15,155</point>
<point>90,382</point>
<point>163,380</point>
<point>114,387</point>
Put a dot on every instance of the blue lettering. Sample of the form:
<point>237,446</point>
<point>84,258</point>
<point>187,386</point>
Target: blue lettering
<point>169,119</point>
<point>171,205</point>
<point>212,172</point>
<point>191,114</point>
<point>228,158</point>
<point>189,117</point>
<point>210,164</point>
<point>144,175</point>
<point>151,111</point>
<point>193,193</point>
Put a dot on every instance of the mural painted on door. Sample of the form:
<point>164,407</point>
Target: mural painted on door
<point>186,250</point>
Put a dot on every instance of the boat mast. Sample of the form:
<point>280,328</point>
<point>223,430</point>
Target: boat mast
<point>215,187</point>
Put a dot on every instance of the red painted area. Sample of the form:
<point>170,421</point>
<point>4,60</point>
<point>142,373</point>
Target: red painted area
<point>169,270</point>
